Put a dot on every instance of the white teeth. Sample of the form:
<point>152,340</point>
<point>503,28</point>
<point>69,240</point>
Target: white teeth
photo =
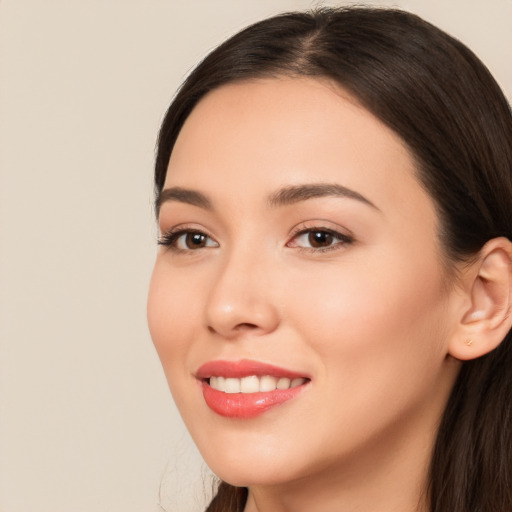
<point>249,384</point>
<point>232,385</point>
<point>253,383</point>
<point>268,383</point>
<point>294,383</point>
<point>283,383</point>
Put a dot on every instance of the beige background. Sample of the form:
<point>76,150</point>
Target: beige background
<point>86,421</point>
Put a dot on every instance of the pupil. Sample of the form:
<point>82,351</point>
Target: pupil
<point>195,240</point>
<point>320,238</point>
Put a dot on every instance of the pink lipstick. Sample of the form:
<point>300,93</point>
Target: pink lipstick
<point>246,389</point>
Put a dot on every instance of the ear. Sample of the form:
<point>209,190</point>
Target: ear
<point>488,287</point>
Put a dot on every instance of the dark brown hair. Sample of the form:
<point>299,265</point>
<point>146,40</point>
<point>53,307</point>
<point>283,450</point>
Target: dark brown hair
<point>443,102</point>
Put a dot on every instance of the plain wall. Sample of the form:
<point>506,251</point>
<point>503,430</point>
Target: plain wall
<point>86,421</point>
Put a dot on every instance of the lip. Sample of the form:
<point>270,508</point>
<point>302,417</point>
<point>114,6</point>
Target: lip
<point>244,368</point>
<point>246,405</point>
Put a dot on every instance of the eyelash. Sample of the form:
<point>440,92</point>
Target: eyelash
<point>171,237</point>
<point>342,239</point>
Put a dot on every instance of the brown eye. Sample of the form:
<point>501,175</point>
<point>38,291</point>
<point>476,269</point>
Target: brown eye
<point>195,240</point>
<point>192,240</point>
<point>318,239</point>
<point>185,240</point>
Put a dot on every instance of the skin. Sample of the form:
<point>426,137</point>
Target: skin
<point>370,320</point>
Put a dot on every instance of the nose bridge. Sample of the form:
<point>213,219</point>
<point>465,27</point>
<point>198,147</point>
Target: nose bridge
<point>240,299</point>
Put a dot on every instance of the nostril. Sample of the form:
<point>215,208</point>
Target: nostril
<point>246,327</point>
<point>238,328</point>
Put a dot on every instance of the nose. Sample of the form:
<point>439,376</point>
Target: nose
<point>240,301</point>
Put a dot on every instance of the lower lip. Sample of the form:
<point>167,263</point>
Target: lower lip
<point>246,405</point>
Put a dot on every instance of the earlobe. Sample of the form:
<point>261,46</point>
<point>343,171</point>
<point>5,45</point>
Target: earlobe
<point>486,322</point>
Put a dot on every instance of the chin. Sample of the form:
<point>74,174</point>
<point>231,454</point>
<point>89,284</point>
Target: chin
<point>250,476</point>
<point>257,460</point>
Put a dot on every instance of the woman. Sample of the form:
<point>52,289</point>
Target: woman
<point>331,301</point>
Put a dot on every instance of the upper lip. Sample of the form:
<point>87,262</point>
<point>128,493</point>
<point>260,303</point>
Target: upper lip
<point>244,368</point>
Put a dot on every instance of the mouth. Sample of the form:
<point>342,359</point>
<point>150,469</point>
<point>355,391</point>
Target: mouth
<point>246,389</point>
<point>253,383</point>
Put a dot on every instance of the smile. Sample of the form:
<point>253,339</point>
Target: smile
<point>253,383</point>
<point>246,389</point>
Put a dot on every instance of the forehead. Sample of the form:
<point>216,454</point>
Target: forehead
<point>252,137</point>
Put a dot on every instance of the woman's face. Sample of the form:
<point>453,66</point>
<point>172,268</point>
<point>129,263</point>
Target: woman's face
<point>299,250</point>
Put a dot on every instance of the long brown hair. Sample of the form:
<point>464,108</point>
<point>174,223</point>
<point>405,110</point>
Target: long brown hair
<point>442,101</point>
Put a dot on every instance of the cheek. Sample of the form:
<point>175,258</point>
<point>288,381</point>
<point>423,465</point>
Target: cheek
<point>374,319</point>
<point>377,339</point>
<point>172,314</point>
<point>173,317</point>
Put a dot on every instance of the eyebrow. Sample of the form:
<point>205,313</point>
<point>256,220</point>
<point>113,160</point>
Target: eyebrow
<point>183,195</point>
<point>282,197</point>
<point>297,193</point>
